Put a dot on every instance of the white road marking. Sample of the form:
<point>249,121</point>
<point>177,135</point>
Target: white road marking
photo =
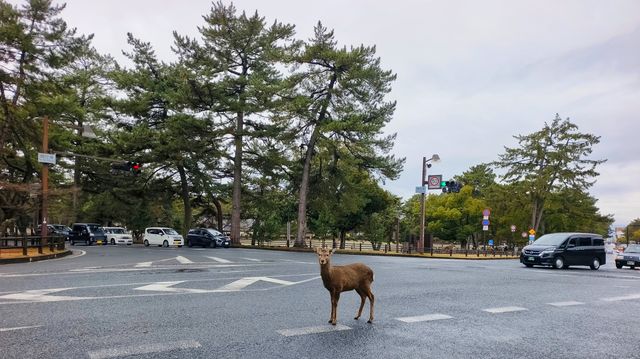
<point>565,304</point>
<point>424,318</point>
<point>41,295</point>
<point>313,330</point>
<point>183,260</point>
<point>220,260</point>
<point>245,282</point>
<point>504,309</point>
<point>19,328</point>
<point>143,264</point>
<point>167,287</point>
<point>143,349</point>
<point>253,259</point>
<point>625,297</point>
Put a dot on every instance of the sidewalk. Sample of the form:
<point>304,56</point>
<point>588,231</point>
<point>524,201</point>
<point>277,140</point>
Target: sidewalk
<point>14,255</point>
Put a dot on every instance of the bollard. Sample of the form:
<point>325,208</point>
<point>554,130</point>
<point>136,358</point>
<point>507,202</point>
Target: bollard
<point>24,245</point>
<point>360,246</point>
<point>466,252</point>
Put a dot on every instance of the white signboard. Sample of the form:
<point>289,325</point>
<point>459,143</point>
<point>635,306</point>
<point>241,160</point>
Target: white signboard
<point>47,158</point>
<point>421,189</point>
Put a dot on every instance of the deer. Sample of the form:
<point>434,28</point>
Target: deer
<point>338,279</point>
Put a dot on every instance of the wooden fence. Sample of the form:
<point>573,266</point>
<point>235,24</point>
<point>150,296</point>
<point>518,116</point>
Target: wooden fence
<point>26,242</point>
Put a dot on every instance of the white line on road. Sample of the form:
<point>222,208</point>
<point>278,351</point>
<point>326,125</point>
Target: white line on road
<point>565,304</point>
<point>183,260</point>
<point>313,330</point>
<point>252,259</point>
<point>504,309</point>
<point>19,328</point>
<point>220,260</point>
<point>625,297</point>
<point>143,264</point>
<point>424,318</point>
<point>143,349</point>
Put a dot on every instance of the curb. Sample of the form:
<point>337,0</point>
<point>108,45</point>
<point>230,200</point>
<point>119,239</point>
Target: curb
<point>35,258</point>
<point>352,252</point>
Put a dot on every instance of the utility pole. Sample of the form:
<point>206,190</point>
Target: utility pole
<point>45,180</point>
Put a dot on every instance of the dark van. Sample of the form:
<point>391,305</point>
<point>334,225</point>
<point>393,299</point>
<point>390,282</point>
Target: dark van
<point>87,233</point>
<point>561,250</point>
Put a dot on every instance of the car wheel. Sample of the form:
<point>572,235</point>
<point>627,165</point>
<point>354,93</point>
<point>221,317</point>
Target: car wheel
<point>558,263</point>
<point>165,244</point>
<point>212,244</point>
<point>618,265</point>
<point>528,265</point>
<point>146,243</point>
<point>595,263</point>
<point>113,241</point>
<point>189,244</point>
<point>632,267</point>
<point>87,242</point>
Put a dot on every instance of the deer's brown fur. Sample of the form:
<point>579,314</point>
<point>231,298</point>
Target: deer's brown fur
<point>338,279</point>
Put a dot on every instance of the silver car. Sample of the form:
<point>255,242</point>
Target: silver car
<point>630,257</point>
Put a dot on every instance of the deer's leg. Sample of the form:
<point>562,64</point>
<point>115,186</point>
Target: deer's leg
<point>371,300</point>
<point>334,307</point>
<point>362,299</point>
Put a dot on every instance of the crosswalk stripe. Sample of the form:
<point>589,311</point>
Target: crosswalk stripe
<point>143,349</point>
<point>19,328</point>
<point>424,318</point>
<point>220,260</point>
<point>565,304</point>
<point>313,330</point>
<point>183,260</point>
<point>504,309</point>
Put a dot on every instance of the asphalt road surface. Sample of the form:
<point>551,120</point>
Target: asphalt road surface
<point>137,302</point>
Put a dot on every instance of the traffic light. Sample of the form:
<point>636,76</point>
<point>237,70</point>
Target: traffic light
<point>128,167</point>
<point>450,186</point>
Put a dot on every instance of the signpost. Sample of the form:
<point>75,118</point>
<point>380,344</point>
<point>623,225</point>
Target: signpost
<point>434,181</point>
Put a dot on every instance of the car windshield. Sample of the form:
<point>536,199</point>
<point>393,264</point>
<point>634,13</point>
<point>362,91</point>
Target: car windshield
<point>633,248</point>
<point>169,231</point>
<point>94,228</point>
<point>59,227</point>
<point>214,232</point>
<point>117,230</point>
<point>553,239</point>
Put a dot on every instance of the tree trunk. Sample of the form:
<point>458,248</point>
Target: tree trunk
<point>216,202</point>
<point>237,180</point>
<point>186,201</point>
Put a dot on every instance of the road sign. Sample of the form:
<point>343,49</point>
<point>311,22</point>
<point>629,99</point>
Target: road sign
<point>486,212</point>
<point>434,181</point>
<point>524,234</point>
<point>485,228</point>
<point>513,228</point>
<point>532,232</point>
<point>532,238</point>
<point>421,189</point>
<point>491,242</point>
<point>47,158</point>
<point>485,217</point>
<point>485,222</point>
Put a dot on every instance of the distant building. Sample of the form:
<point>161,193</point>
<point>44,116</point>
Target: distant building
<point>620,232</point>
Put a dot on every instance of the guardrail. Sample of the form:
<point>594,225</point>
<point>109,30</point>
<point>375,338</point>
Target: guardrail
<point>26,242</point>
<point>401,247</point>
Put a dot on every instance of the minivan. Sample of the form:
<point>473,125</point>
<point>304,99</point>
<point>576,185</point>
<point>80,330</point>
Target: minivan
<point>561,250</point>
<point>87,233</point>
<point>162,236</point>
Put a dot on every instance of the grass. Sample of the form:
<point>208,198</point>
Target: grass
<point>31,252</point>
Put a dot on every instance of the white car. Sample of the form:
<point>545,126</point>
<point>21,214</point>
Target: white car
<point>162,236</point>
<point>118,235</point>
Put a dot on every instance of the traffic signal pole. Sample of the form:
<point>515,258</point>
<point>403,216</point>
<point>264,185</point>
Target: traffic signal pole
<point>45,180</point>
<point>422,199</point>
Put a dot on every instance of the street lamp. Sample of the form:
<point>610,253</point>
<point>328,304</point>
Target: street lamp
<point>434,158</point>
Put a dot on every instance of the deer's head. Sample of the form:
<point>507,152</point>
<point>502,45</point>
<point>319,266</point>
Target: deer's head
<point>324,254</point>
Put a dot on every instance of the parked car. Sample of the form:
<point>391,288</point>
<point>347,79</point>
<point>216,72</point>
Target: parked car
<point>162,236</point>
<point>561,250</point>
<point>630,257</point>
<point>56,230</point>
<point>118,235</point>
<point>207,237</point>
<point>87,233</point>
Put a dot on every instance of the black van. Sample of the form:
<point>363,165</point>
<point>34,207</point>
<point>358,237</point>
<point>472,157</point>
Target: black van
<point>561,250</point>
<point>87,233</point>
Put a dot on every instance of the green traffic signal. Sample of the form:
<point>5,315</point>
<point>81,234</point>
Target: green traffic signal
<point>443,184</point>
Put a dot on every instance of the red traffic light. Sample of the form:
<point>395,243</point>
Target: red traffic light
<point>136,166</point>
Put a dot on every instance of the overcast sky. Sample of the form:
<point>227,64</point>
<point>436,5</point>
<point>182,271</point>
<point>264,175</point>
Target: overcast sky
<point>471,74</point>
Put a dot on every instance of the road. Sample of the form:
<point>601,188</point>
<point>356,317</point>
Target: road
<point>138,302</point>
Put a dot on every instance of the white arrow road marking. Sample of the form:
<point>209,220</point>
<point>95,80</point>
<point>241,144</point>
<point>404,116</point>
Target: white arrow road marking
<point>183,260</point>
<point>231,287</point>
<point>143,264</point>
<point>41,295</point>
<point>143,349</point>
<point>220,260</point>
<point>167,287</point>
<point>18,328</point>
